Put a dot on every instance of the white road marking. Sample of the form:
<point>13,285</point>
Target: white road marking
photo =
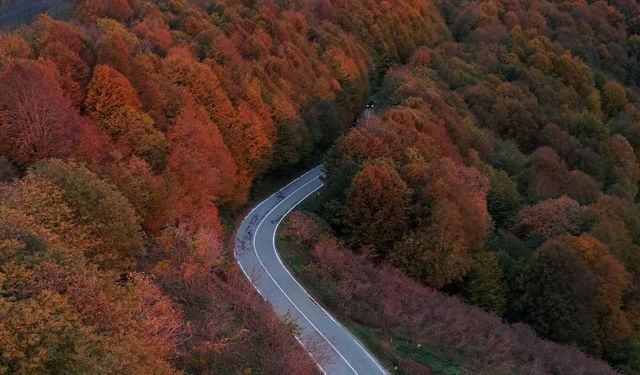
<point>314,360</point>
<point>282,290</point>
<point>264,217</point>
<point>235,249</point>
<point>307,293</point>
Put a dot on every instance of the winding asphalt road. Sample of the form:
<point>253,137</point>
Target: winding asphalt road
<point>335,350</point>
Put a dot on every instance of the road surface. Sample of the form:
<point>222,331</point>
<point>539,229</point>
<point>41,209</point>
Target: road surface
<point>335,350</point>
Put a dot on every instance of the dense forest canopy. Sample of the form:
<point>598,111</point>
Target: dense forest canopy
<point>509,161</point>
<point>501,167</point>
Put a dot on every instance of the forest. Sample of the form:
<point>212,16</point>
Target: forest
<point>500,171</point>
<point>503,169</point>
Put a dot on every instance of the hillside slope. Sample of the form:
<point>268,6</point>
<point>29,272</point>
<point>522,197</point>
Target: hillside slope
<point>133,134</point>
<point>502,167</point>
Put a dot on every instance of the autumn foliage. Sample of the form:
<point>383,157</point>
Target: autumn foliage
<point>502,146</point>
<point>516,139</point>
<point>131,136</point>
<point>38,121</point>
<point>387,301</point>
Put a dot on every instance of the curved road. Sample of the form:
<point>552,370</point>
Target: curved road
<point>335,350</point>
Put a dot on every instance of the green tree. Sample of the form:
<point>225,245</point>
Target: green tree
<point>558,298</point>
<point>589,129</point>
<point>503,198</point>
<point>292,144</point>
<point>573,72</point>
<point>614,98</point>
<point>134,131</point>
<point>572,293</point>
<point>100,206</point>
<point>486,287</point>
<point>436,256</point>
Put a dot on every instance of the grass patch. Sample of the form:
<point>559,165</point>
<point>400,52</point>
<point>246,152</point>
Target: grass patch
<point>403,348</point>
